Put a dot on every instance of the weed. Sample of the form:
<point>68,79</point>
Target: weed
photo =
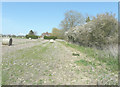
<point>75,54</point>
<point>40,82</point>
<point>50,74</point>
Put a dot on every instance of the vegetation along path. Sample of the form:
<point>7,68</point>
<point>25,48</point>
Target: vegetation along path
<point>57,63</point>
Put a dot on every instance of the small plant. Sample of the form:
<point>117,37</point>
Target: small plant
<point>75,54</point>
<point>50,74</point>
<point>40,82</point>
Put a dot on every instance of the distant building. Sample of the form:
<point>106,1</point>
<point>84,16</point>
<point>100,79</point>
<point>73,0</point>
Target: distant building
<point>45,34</point>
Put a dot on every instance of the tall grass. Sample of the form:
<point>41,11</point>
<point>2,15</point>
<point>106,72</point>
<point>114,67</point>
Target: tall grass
<point>112,50</point>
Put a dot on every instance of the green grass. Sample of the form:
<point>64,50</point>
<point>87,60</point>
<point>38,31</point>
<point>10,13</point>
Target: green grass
<point>84,62</point>
<point>98,55</point>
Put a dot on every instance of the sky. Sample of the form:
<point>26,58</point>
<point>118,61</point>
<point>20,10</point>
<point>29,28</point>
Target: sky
<point>20,17</point>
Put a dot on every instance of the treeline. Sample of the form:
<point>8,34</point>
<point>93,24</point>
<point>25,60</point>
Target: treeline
<point>15,36</point>
<point>97,32</point>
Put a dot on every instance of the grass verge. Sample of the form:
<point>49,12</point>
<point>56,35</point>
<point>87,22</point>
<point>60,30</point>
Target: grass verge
<point>99,55</point>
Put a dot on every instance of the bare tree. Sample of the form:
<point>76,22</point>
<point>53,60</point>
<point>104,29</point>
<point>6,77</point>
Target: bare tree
<point>72,19</point>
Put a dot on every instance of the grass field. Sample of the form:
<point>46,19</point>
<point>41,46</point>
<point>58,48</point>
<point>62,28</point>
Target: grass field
<point>42,63</point>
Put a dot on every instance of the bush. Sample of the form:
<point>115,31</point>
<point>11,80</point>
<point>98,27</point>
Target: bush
<point>31,36</point>
<point>102,30</point>
<point>50,37</point>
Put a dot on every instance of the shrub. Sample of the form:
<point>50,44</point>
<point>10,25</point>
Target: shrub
<point>50,37</point>
<point>102,30</point>
<point>31,36</point>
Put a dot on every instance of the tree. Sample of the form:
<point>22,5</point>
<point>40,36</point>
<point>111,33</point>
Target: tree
<point>32,35</point>
<point>72,19</point>
<point>88,19</point>
<point>57,32</point>
<point>31,32</point>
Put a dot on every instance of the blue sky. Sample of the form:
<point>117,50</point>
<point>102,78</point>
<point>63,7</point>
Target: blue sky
<point>21,17</point>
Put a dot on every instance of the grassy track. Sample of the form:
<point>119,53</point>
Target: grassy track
<point>16,64</point>
<point>55,64</point>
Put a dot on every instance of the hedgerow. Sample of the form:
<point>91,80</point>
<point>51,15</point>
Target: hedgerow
<point>31,36</point>
<point>50,37</point>
<point>102,30</point>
